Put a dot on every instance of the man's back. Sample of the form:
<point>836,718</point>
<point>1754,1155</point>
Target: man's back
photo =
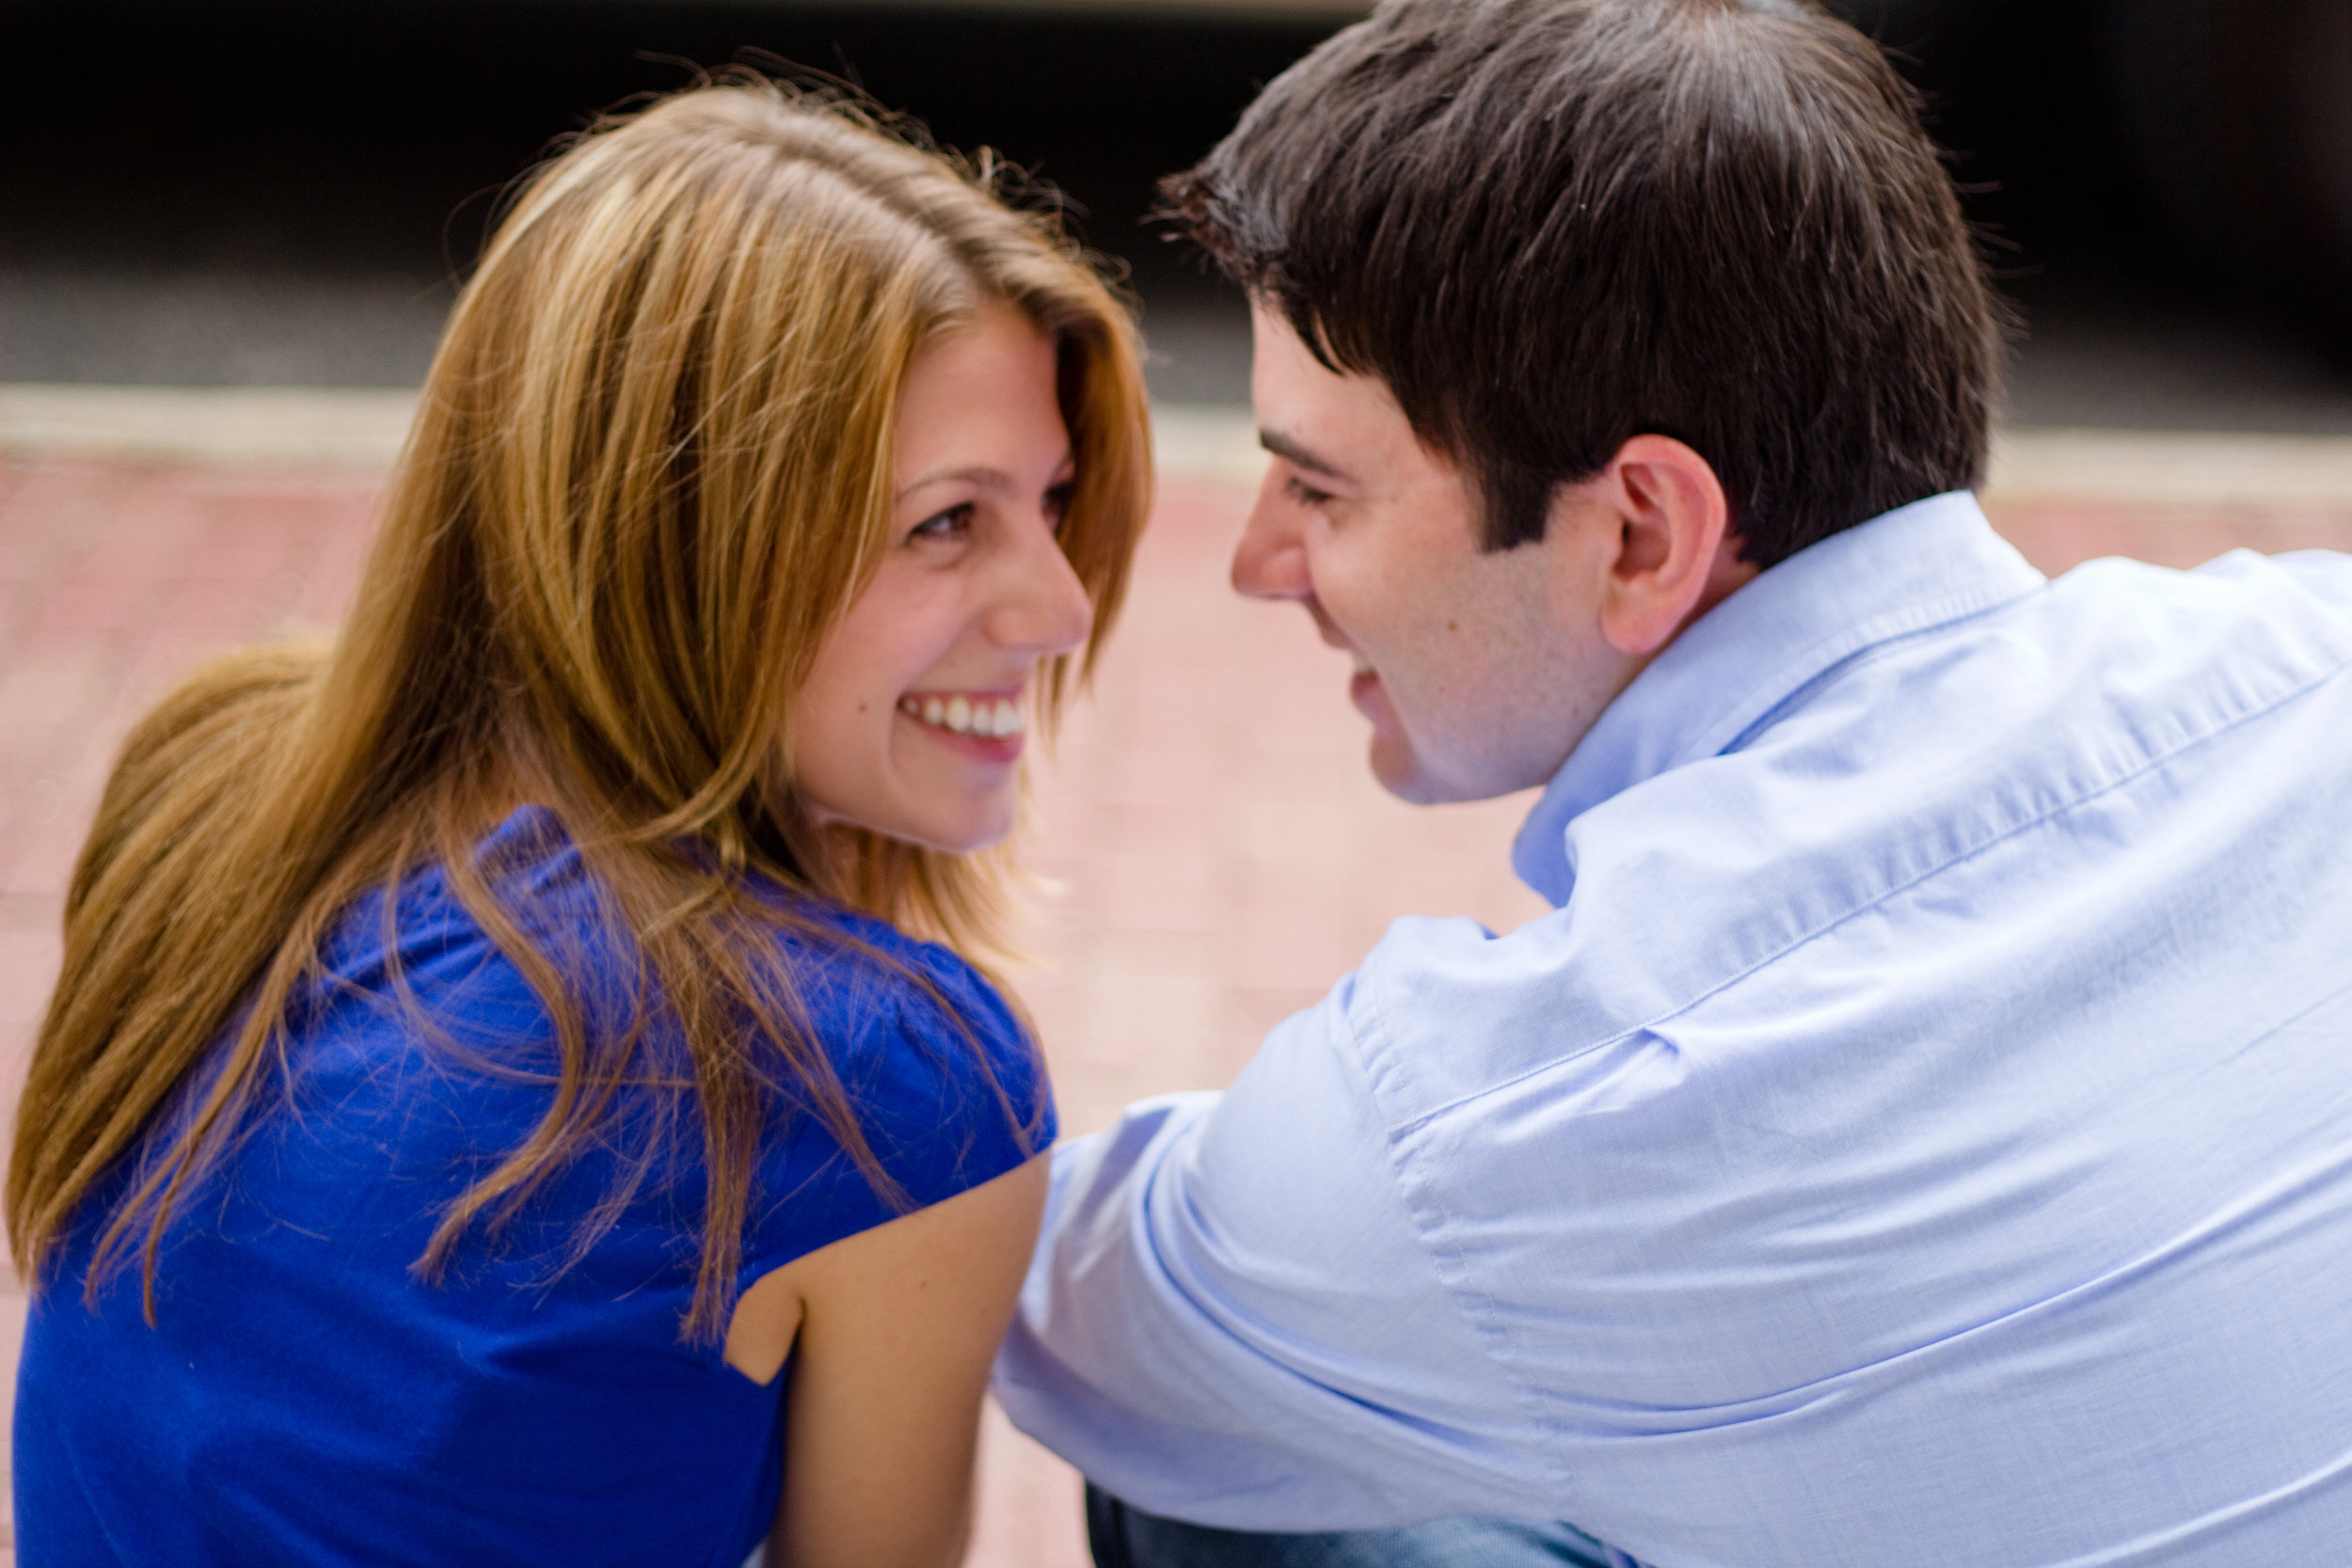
<point>1923,1133</point>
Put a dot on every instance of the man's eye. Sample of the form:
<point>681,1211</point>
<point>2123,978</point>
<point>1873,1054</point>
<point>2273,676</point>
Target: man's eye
<point>943,525</point>
<point>1306,494</point>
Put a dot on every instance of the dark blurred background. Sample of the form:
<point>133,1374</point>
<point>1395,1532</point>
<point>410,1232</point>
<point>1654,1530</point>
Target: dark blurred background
<point>283,192</point>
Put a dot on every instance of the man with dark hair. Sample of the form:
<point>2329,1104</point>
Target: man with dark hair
<point>1922,1130</point>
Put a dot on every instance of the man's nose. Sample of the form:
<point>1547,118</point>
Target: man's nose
<point>1270,558</point>
<point>1042,607</point>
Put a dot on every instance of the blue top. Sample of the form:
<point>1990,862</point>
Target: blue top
<point>304,1400</point>
<point>1922,1132</point>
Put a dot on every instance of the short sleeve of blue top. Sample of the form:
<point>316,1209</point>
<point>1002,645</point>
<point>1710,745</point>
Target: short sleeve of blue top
<point>305,1399</point>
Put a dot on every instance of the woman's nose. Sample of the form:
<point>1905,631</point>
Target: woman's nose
<point>1042,608</point>
<point>1270,557</point>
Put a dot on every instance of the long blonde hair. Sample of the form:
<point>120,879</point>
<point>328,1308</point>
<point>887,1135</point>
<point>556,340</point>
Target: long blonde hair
<point>650,470</point>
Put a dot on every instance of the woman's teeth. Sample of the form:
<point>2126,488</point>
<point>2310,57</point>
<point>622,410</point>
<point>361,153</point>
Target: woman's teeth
<point>994,717</point>
<point>1363,665</point>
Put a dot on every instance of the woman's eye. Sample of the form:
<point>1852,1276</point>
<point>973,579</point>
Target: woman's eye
<point>943,525</point>
<point>1057,500</point>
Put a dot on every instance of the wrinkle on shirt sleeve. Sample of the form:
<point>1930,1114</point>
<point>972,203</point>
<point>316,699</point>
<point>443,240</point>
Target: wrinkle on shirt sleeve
<point>1231,1320</point>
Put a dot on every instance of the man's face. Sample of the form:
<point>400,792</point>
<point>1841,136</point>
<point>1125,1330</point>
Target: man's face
<point>1479,672</point>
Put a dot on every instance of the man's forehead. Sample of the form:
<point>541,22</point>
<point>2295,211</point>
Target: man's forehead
<point>1337,425</point>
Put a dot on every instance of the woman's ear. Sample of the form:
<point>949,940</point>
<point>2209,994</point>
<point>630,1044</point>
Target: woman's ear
<point>1676,556</point>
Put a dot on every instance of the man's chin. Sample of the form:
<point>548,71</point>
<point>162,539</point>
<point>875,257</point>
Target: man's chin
<point>1394,761</point>
<point>1398,769</point>
<point>1405,771</point>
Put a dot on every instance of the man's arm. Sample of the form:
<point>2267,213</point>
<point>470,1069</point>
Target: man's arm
<point>1233,1318</point>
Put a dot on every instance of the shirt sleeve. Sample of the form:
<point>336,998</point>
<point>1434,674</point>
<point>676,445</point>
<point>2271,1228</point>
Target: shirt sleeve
<point>1232,1320</point>
<point>947,1087</point>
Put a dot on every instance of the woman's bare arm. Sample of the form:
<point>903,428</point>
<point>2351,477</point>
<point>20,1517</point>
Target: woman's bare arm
<point>894,1330</point>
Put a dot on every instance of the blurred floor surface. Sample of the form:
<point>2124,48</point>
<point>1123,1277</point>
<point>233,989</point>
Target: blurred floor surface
<point>1220,853</point>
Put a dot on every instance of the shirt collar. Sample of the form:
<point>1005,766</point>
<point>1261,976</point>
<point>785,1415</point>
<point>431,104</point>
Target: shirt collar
<point>1921,565</point>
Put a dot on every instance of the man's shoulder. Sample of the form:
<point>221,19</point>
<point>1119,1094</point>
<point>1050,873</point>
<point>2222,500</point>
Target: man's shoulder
<point>2057,747</point>
<point>2071,990</point>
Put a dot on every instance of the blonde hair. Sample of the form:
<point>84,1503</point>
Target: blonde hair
<point>651,470</point>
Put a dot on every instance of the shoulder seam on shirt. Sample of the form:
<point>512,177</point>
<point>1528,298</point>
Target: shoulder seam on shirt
<point>1821,929</point>
<point>1484,1325</point>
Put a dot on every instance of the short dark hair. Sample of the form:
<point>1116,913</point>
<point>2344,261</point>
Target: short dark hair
<point>1551,225</point>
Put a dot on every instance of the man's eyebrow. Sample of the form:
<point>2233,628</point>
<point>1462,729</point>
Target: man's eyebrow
<point>1297,455</point>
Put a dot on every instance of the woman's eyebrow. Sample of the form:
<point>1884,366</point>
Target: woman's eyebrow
<point>977,474</point>
<point>982,475</point>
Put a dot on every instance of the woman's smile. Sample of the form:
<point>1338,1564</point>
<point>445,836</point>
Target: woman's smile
<point>984,724</point>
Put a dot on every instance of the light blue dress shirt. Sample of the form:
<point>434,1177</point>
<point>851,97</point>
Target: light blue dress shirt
<point>1920,1135</point>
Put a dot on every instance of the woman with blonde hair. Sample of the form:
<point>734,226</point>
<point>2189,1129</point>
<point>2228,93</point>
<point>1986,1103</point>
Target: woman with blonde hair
<point>494,1046</point>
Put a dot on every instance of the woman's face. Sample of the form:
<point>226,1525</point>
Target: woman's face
<point>912,719</point>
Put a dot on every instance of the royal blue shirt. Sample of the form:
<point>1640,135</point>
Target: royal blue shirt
<point>305,1399</point>
<point>1921,1133</point>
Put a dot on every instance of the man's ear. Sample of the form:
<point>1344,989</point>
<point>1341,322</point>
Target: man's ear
<point>1676,556</point>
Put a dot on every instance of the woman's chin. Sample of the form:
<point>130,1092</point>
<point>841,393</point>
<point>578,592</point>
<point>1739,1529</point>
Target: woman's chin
<point>948,832</point>
<point>970,843</point>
